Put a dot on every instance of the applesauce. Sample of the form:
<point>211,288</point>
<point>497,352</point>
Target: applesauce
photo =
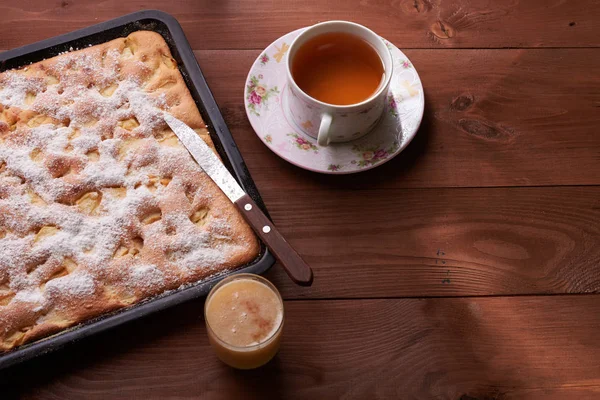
<point>244,320</point>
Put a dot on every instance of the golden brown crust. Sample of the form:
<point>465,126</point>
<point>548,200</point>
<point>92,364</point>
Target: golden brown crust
<point>100,205</point>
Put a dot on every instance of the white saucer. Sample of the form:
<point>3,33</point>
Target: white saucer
<point>268,116</point>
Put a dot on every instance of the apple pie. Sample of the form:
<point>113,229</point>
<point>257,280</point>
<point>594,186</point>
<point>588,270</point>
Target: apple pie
<point>101,207</point>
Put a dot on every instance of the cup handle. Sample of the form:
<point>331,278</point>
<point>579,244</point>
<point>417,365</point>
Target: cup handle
<point>323,138</point>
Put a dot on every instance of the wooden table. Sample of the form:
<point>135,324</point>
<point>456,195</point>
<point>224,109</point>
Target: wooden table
<point>466,268</point>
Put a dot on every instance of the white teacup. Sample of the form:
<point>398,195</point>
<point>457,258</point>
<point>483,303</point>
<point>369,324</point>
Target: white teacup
<point>335,123</point>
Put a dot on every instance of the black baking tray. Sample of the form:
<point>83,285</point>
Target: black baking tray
<point>171,31</point>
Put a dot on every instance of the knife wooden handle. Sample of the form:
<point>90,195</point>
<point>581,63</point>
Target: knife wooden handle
<point>294,265</point>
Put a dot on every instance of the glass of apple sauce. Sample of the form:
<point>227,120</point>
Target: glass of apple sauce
<point>244,320</point>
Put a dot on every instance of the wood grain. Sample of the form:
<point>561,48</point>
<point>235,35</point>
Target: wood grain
<point>441,242</point>
<point>492,118</point>
<point>483,348</point>
<point>249,24</point>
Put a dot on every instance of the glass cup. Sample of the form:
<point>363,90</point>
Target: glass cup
<point>244,320</point>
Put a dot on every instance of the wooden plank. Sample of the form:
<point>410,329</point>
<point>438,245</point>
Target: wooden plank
<point>492,118</point>
<point>254,24</point>
<point>480,348</point>
<point>440,242</point>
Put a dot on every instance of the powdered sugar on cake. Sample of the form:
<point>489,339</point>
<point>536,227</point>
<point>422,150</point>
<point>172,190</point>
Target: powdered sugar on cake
<point>98,200</point>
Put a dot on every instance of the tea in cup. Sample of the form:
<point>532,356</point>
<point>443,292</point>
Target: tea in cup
<point>338,76</point>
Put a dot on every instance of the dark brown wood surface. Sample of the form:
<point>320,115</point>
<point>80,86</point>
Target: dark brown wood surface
<point>252,24</point>
<point>441,242</point>
<point>463,348</point>
<point>466,268</point>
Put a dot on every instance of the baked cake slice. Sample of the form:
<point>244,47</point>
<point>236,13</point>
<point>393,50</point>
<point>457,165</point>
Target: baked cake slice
<point>100,205</point>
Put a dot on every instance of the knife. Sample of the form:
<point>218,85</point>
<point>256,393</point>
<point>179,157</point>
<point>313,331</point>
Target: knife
<point>293,264</point>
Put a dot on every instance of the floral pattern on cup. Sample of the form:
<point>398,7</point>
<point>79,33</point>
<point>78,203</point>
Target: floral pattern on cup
<point>302,143</point>
<point>334,167</point>
<point>392,105</point>
<point>308,119</point>
<point>268,139</point>
<point>258,95</point>
<point>307,124</point>
<point>372,155</point>
<point>264,59</point>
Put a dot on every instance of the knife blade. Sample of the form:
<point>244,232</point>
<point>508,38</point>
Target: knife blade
<point>294,265</point>
<point>206,158</point>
